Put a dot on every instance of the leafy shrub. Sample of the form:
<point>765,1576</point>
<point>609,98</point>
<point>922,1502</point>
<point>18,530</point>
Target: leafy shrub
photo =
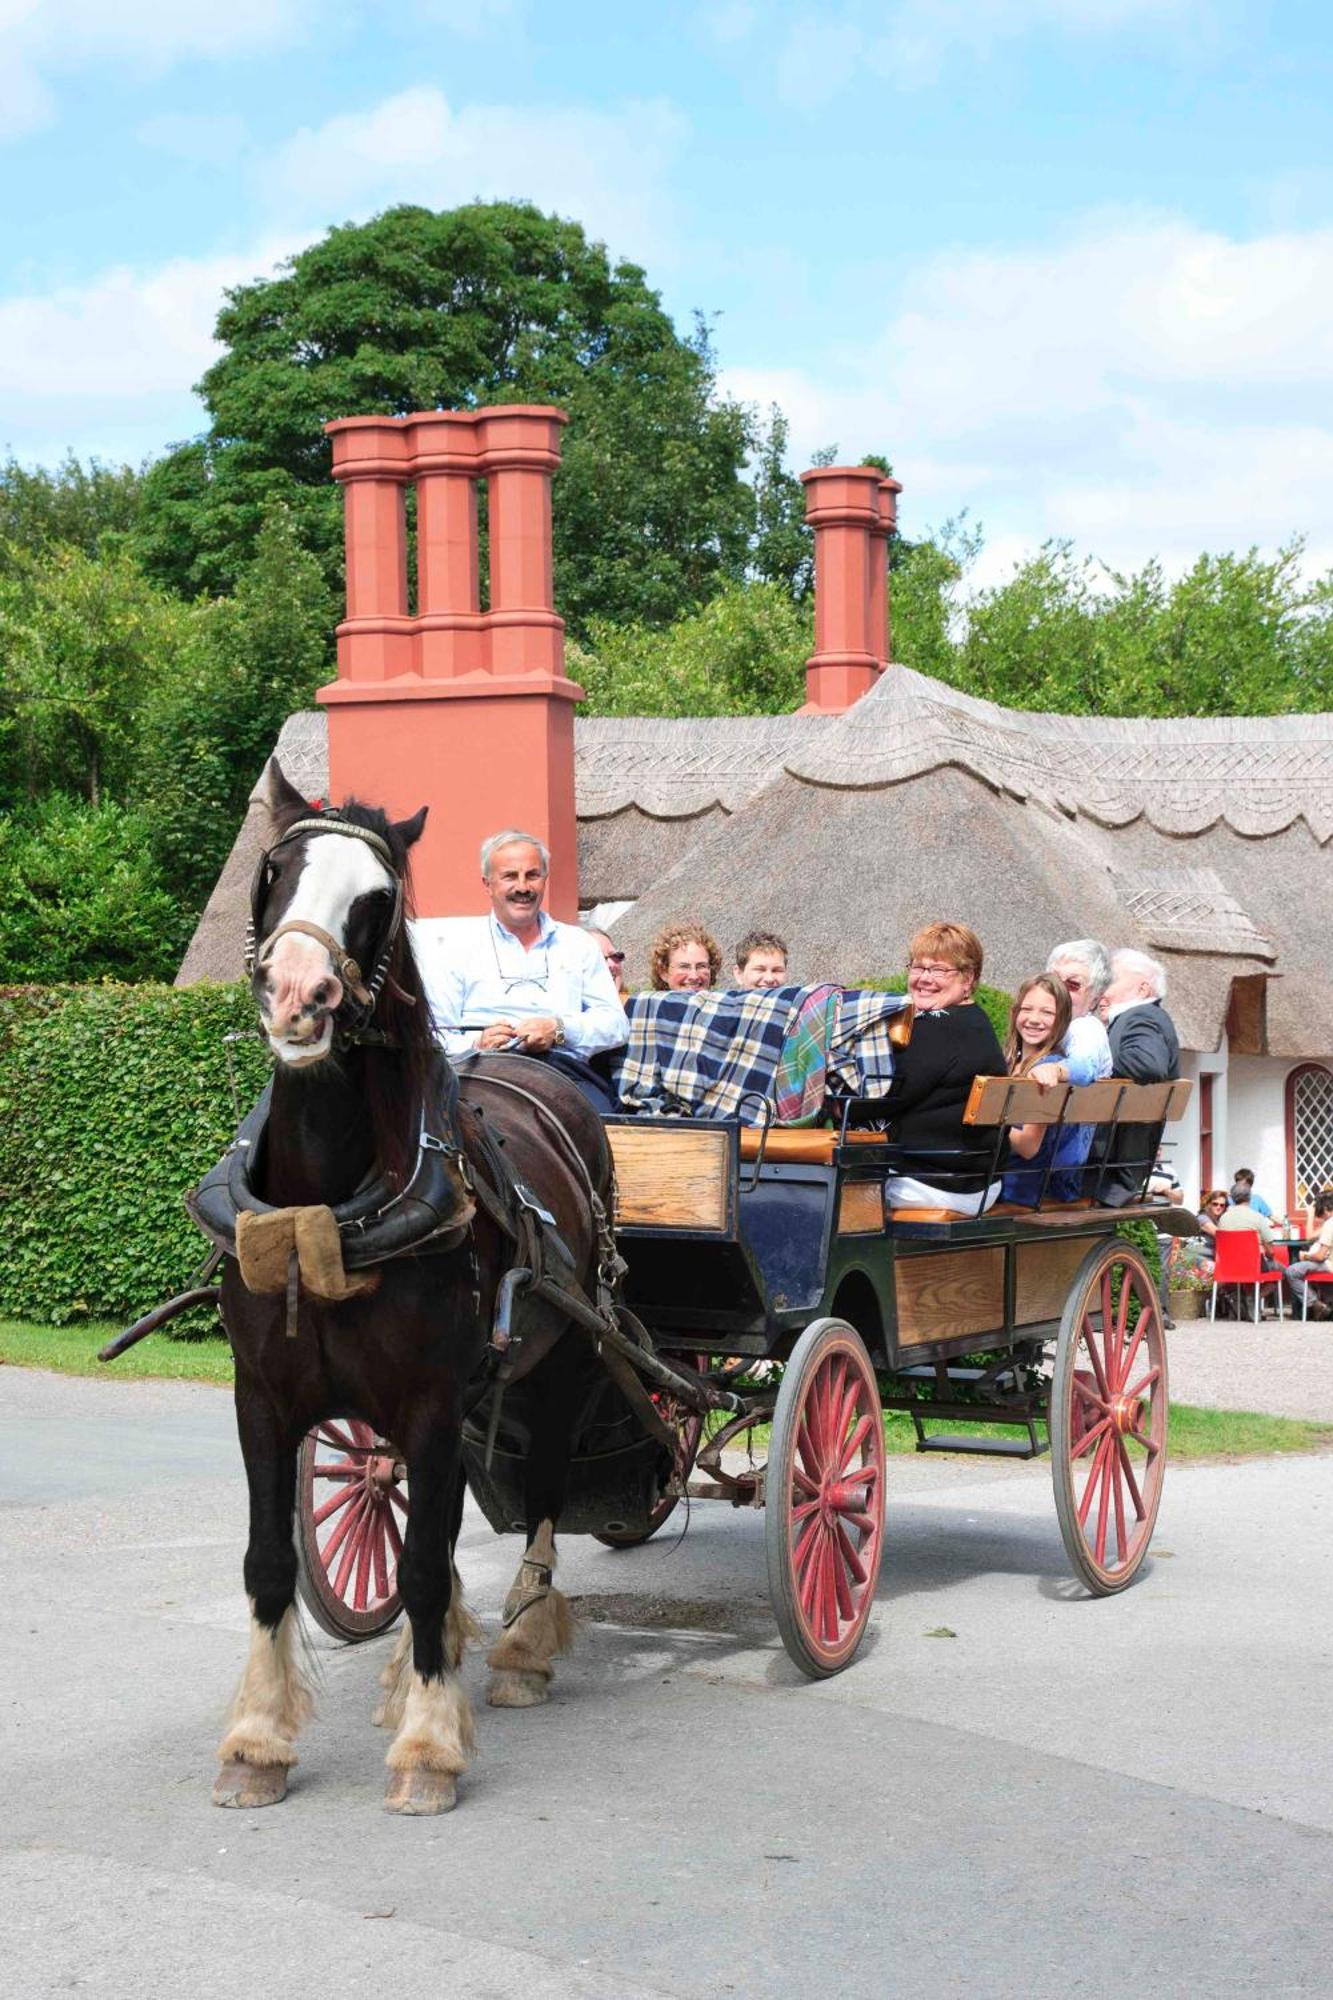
<point>113,1101</point>
<point>81,896</point>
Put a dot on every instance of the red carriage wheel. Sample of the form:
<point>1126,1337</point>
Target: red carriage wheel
<point>824,1504</point>
<point>688,1425</point>
<point>1108,1415</point>
<point>351,1506</point>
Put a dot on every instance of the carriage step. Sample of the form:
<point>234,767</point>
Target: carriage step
<point>981,1447</point>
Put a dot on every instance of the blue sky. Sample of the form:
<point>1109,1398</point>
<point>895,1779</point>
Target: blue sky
<point>1068,262</point>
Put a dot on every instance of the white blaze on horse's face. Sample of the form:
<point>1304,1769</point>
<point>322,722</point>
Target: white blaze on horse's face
<point>301,991</point>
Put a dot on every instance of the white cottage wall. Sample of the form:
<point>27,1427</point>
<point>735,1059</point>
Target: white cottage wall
<point>1256,1125</point>
<point>1182,1142</point>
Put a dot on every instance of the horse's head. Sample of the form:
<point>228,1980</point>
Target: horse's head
<point>326,909</point>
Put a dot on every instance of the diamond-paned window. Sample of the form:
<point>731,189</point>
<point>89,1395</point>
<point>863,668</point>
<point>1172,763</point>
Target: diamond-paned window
<point>1311,1133</point>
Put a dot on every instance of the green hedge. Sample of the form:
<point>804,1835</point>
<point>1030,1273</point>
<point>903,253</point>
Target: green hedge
<point>113,1101</point>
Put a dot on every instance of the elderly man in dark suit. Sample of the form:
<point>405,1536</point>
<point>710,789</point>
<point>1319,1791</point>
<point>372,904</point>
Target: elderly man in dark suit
<point>1146,1049</point>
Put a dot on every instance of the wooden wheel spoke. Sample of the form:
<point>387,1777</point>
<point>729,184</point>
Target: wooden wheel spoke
<point>828,1591</point>
<point>807,1455</point>
<point>342,1470</point>
<point>847,1402</point>
<point>399,1501</point>
<point>344,1527</point>
<point>1088,1338</point>
<point>380,1562</point>
<point>846,1452</point>
<point>805,1542</point>
<point>1104,1504</point>
<point>1118,1491</point>
<point>349,1552</point>
<point>804,1509</point>
<point>361,1587</point>
<point>333,1506</point>
<point>1090,1396</point>
<point>1094,1476</point>
<point>1135,1344</point>
<point>866,1522</point>
<point>850,1555</point>
<point>859,1475</point>
<point>801,1479</point>
<point>391,1530</point>
<point>807,1569</point>
<point>838,1569</point>
<point>1090,1437</point>
<point>1145,1382</point>
<point>332,1433</point>
<point>1128,1472</point>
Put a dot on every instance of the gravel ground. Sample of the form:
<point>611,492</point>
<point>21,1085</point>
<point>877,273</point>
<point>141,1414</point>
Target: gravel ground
<point>1280,1367</point>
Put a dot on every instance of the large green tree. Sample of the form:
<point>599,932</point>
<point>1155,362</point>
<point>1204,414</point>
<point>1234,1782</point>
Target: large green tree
<point>494,302</point>
<point>72,505</point>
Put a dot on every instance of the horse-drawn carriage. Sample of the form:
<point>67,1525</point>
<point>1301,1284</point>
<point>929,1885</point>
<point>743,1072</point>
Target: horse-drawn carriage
<point>766,1270</point>
<point>426,1284</point>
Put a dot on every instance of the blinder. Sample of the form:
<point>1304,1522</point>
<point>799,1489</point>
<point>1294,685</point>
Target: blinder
<point>364,993</point>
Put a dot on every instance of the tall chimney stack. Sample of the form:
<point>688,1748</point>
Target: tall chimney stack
<point>852,509</point>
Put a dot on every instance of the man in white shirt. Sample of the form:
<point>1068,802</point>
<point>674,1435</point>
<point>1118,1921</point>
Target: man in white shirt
<point>514,978</point>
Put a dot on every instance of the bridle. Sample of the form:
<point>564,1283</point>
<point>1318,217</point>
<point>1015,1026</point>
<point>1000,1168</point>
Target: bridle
<point>364,993</point>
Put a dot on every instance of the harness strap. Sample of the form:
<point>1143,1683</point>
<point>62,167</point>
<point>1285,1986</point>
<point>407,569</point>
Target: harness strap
<point>344,964</point>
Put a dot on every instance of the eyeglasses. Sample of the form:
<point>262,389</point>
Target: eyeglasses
<point>614,957</point>
<point>1075,985</point>
<point>935,971</point>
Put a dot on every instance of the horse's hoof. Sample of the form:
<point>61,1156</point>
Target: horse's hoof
<point>421,1792</point>
<point>246,1785</point>
<point>512,1688</point>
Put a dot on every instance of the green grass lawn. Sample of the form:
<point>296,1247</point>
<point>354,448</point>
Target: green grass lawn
<point>72,1350</point>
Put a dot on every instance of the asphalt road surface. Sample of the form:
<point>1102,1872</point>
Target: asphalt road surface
<point>1014,1791</point>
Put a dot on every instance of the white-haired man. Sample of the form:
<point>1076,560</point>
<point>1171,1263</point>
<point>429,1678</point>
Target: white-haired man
<point>1146,1049</point>
<point>515,978</point>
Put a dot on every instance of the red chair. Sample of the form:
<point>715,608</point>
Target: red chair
<point>1238,1264</point>
<point>1314,1278</point>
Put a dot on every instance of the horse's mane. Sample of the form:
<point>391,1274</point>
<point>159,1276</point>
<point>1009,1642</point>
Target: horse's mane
<point>404,1078</point>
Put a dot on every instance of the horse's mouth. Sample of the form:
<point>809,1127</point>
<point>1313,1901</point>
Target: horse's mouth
<point>310,1045</point>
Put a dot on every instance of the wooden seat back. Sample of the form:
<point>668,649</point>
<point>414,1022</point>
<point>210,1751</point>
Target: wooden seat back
<point>1021,1100</point>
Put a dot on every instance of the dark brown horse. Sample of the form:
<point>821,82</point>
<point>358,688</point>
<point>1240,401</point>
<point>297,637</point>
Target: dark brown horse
<point>357,1081</point>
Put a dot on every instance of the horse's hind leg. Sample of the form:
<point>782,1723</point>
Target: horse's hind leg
<point>435,1736</point>
<point>537,1623</point>
<point>273,1699</point>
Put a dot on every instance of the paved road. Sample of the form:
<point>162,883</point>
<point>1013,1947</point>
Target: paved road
<point>1129,1796</point>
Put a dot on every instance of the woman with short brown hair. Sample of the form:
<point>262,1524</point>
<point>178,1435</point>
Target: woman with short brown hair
<point>944,1162</point>
<point>685,958</point>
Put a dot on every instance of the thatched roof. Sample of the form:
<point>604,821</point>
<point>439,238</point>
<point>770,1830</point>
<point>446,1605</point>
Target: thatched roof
<point>1199,840</point>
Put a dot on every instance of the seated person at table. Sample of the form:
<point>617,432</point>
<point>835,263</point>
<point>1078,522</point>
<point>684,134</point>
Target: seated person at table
<point>1245,1175</point>
<point>945,1162</point>
<point>685,959</point>
<point>1314,1259</point>
<point>761,962</point>
<point>1038,1025</point>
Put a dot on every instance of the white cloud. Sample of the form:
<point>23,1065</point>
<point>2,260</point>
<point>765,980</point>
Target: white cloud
<point>40,38</point>
<point>607,168</point>
<point>911,44</point>
<point>108,367</point>
<point>1146,387</point>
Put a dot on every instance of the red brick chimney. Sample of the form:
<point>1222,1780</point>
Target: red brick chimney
<point>466,710</point>
<point>852,509</point>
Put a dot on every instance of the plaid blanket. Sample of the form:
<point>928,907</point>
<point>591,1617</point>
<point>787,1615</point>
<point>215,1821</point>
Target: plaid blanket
<point>750,1056</point>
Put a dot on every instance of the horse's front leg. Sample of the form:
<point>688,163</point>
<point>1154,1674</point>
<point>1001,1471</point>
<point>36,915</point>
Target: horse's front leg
<point>435,1735</point>
<point>273,1699</point>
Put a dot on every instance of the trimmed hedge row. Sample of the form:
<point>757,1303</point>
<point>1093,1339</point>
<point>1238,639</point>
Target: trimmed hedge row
<point>113,1101</point>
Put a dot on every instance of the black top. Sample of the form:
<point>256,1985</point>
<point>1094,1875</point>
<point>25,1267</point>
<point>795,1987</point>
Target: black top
<point>932,1079</point>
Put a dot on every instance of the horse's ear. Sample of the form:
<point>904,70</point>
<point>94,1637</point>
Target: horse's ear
<point>409,830</point>
<point>282,794</point>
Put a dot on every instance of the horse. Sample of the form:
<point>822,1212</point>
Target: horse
<point>358,1079</point>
